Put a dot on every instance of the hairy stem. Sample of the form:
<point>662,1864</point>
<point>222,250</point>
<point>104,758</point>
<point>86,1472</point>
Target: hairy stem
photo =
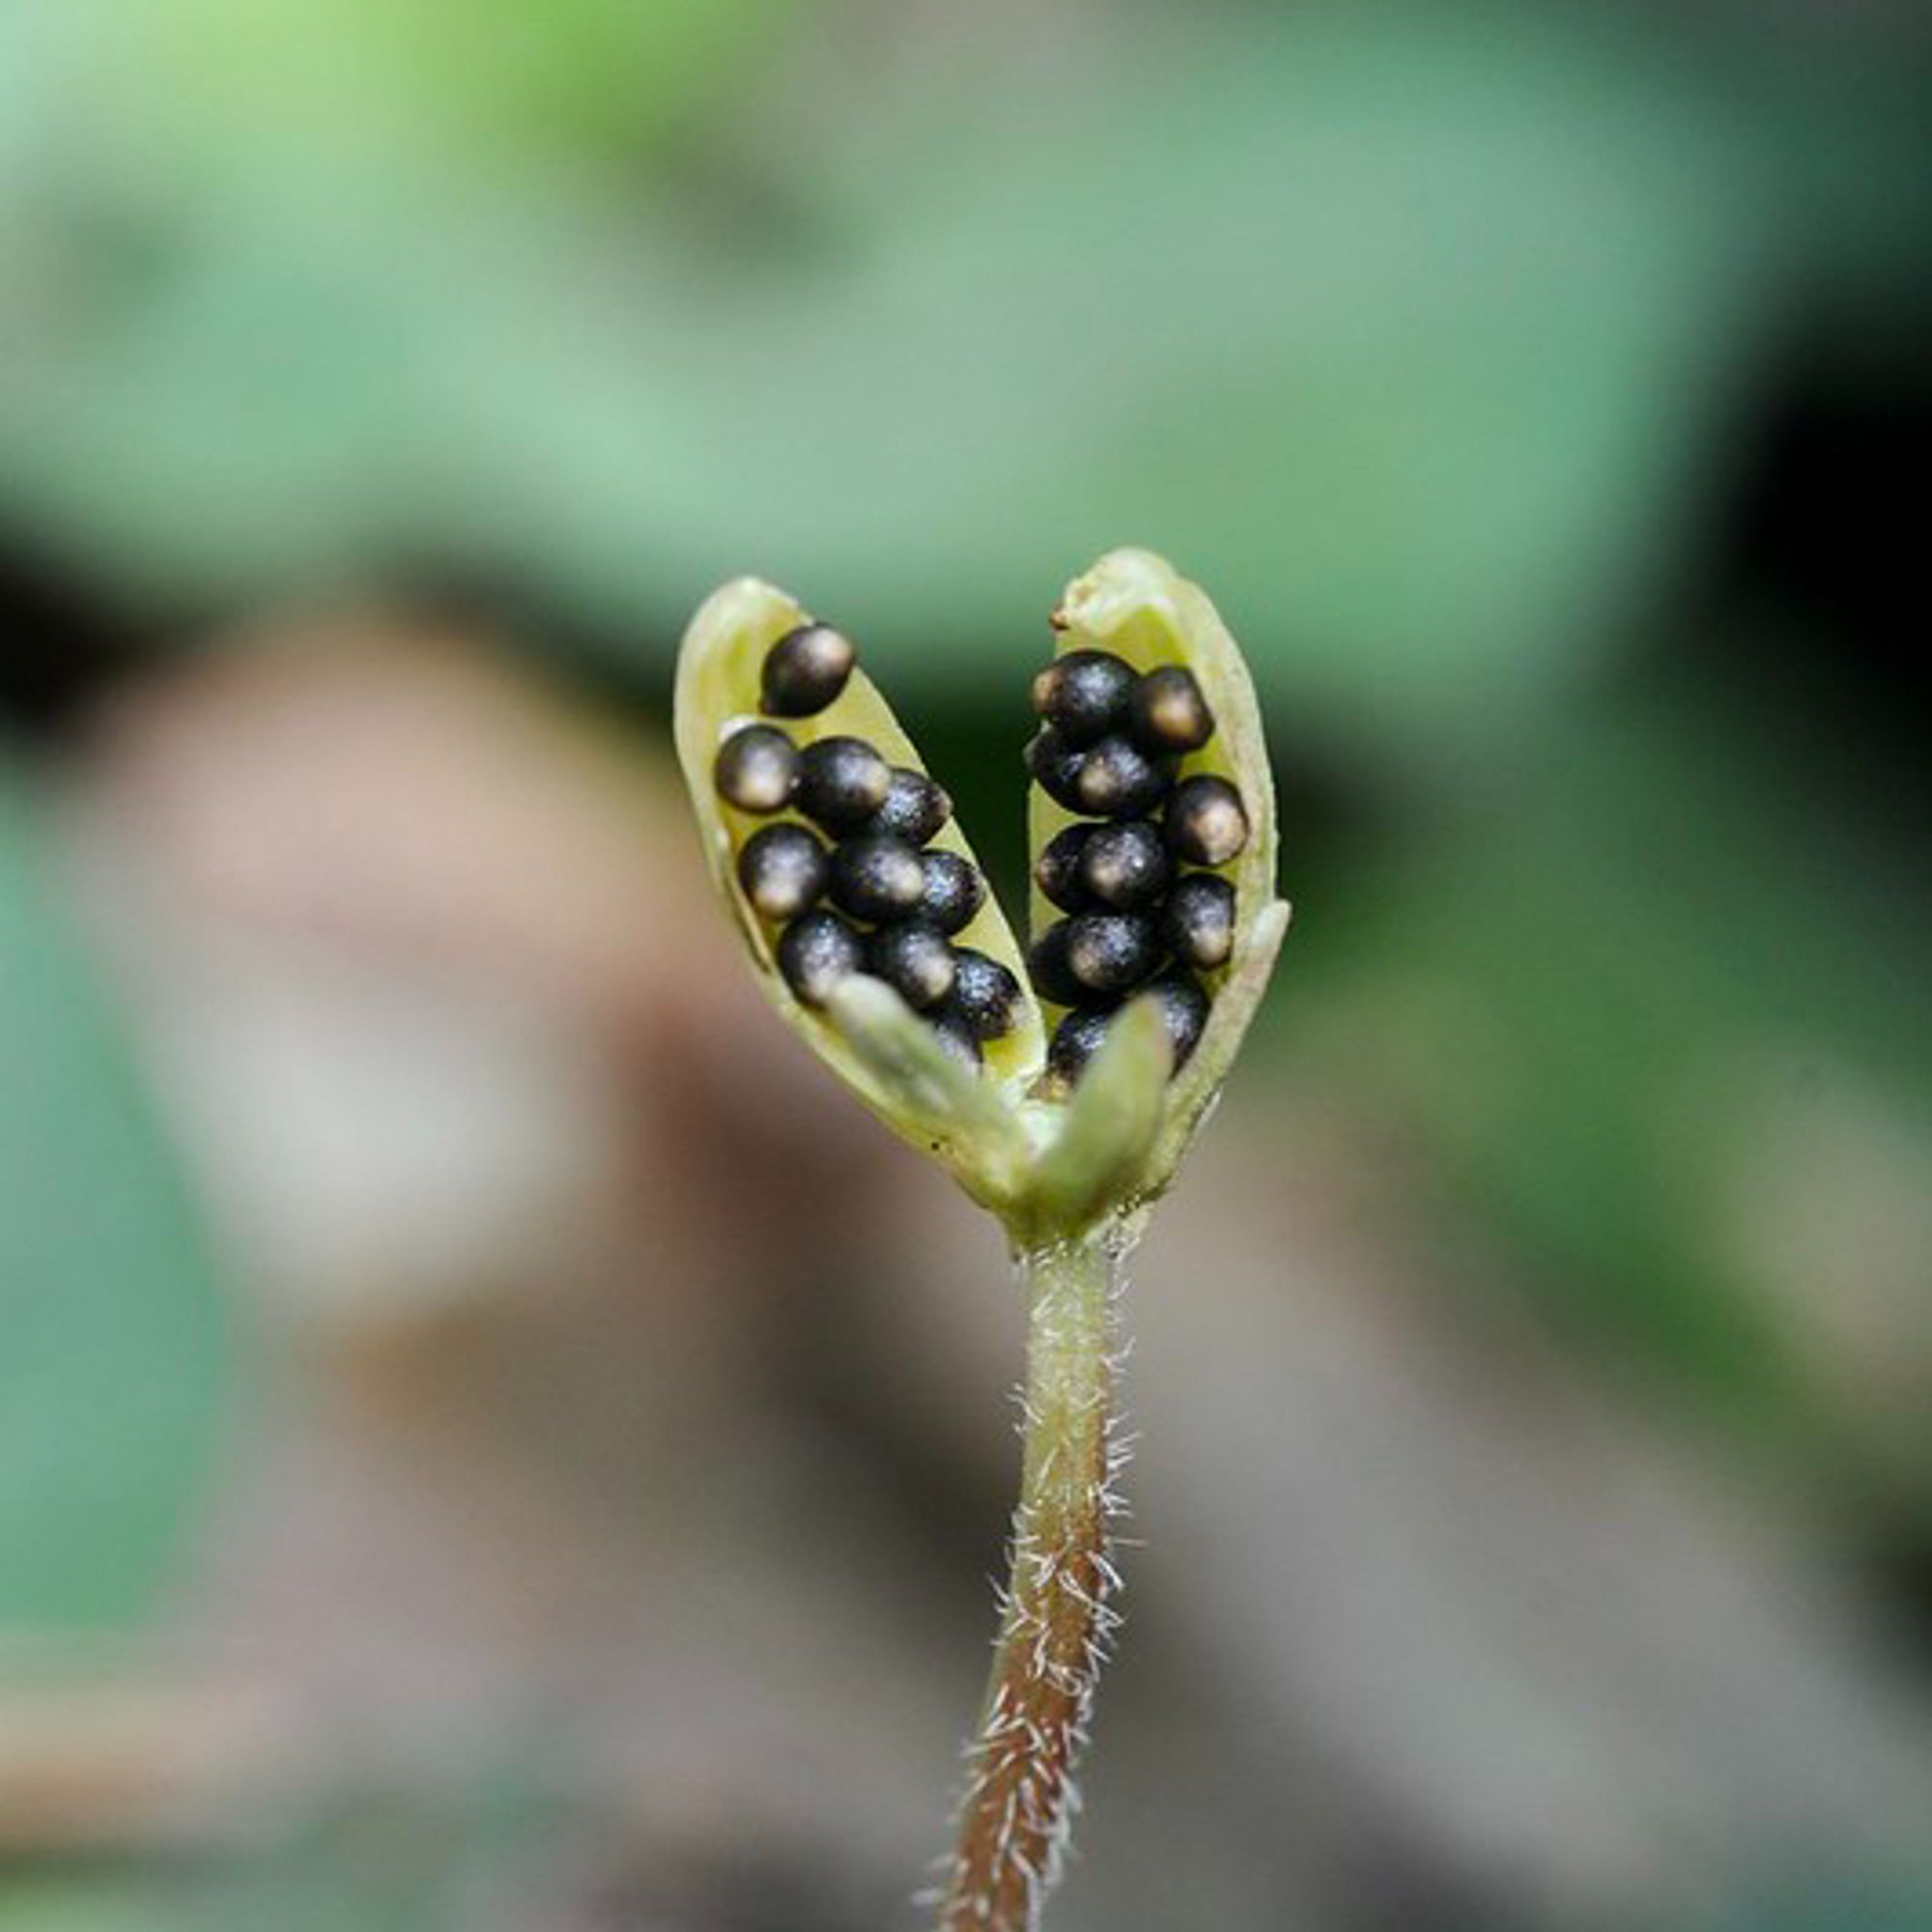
<point>1053,1634</point>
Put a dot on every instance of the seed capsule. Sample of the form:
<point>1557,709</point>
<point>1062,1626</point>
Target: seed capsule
<point>1056,870</point>
<point>1169,712</point>
<point>842,783</point>
<point>815,953</point>
<point>1076,1039</point>
<point>1204,823</point>
<point>1183,1012</point>
<point>984,994</point>
<point>915,962</point>
<point>1050,970</point>
<point>876,879</point>
<point>783,870</point>
<point>1198,922</point>
<point>1115,778</point>
<point>914,809</point>
<point>953,892</point>
<point>805,671</point>
<point>1084,695</point>
<point>1125,866</point>
<point>1109,953</point>
<point>757,767</point>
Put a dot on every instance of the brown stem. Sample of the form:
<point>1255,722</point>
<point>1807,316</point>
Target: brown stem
<point>1053,1634</point>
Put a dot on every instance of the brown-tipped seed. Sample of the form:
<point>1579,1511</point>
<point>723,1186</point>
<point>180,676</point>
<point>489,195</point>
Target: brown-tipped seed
<point>1076,1039</point>
<point>958,1037</point>
<point>1198,922</point>
<point>984,994</point>
<point>842,783</point>
<point>757,768</point>
<point>876,879</point>
<point>1183,1012</point>
<point>815,953</point>
<point>1205,822</point>
<point>953,892</point>
<point>1125,866</point>
<point>1084,695</point>
<point>915,807</point>
<point>1109,953</point>
<point>806,670</point>
<point>1049,969</point>
<point>1169,712</point>
<point>1056,870</point>
<point>783,870</point>
<point>1116,779</point>
<point>915,962</point>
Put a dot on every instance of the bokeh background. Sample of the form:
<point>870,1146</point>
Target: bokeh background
<point>489,1437</point>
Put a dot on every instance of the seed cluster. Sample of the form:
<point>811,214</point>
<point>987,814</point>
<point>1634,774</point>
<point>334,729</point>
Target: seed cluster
<point>852,883</point>
<point>1112,747</point>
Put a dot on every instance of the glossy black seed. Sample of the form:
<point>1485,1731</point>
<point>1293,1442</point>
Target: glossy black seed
<point>953,892</point>
<point>757,767</point>
<point>1056,870</point>
<point>956,1036</point>
<point>1198,920</point>
<point>1055,766</point>
<point>842,783</point>
<point>1109,953</point>
<point>915,962</point>
<point>1084,695</point>
<point>1183,1012</point>
<point>876,879</point>
<point>805,670</point>
<point>783,870</point>
<point>1115,778</point>
<point>1205,822</point>
<point>984,994</point>
<point>1125,866</point>
<point>815,953</point>
<point>1169,712</point>
<point>1049,969</point>
<point>915,807</point>
<point>1075,1041</point>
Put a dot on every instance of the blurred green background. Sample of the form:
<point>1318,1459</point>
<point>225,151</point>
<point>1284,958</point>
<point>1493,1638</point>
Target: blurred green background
<point>1542,394</point>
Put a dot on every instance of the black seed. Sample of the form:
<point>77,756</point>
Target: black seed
<point>915,962</point>
<point>1055,766</point>
<point>817,951</point>
<point>1198,922</point>
<point>805,670</point>
<point>783,870</point>
<point>915,807</point>
<point>1056,870</point>
<point>1125,866</point>
<point>1205,822</point>
<point>1183,1012</point>
<point>984,994</point>
<point>1109,953</point>
<point>757,767</point>
<point>1084,695</point>
<point>841,782</point>
<point>953,892</point>
<point>1116,779</point>
<point>1049,969</point>
<point>876,879</point>
<point>1169,712</point>
<point>1076,1039</point>
<point>956,1036</point>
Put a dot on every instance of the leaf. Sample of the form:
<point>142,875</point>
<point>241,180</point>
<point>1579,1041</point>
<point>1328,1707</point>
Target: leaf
<point>113,1342</point>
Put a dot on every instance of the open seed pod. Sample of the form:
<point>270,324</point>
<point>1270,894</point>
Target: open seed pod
<point>870,929</point>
